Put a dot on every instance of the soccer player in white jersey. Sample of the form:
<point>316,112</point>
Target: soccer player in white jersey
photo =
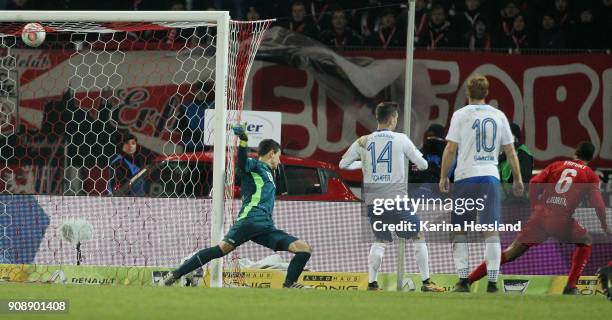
<point>476,136</point>
<point>382,158</point>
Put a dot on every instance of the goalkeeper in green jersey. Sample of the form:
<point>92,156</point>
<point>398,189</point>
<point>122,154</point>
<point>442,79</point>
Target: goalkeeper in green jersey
<point>254,221</point>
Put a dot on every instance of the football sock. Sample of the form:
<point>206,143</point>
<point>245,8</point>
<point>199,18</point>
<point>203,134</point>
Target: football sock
<point>460,256</point>
<point>492,257</point>
<point>421,256</point>
<point>199,259</point>
<point>481,270</point>
<point>579,261</point>
<point>478,273</point>
<point>296,266</point>
<point>377,252</point>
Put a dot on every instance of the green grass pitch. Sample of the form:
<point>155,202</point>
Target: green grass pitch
<point>126,302</point>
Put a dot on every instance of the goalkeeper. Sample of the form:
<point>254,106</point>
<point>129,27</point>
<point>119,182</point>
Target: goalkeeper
<point>254,221</point>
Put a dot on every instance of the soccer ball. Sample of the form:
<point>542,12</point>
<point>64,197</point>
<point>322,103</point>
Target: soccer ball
<point>33,34</point>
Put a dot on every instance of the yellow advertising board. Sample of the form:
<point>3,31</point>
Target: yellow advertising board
<point>586,285</point>
<point>334,280</point>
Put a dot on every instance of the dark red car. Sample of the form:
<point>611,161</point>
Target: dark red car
<point>190,175</point>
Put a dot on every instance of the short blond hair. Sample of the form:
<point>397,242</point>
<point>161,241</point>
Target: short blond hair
<point>477,87</point>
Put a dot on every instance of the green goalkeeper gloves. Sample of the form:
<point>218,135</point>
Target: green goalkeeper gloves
<point>240,131</point>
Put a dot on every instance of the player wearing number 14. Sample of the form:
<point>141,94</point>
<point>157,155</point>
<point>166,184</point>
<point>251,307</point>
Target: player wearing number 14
<point>382,157</point>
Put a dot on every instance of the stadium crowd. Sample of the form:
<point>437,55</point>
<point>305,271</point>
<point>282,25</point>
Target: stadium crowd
<point>474,24</point>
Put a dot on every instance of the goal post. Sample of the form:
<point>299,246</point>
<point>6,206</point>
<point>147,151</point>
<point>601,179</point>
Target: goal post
<point>218,194</point>
<point>401,259</point>
<point>99,51</point>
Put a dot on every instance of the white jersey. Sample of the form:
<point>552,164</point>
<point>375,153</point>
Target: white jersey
<point>383,161</point>
<point>480,131</point>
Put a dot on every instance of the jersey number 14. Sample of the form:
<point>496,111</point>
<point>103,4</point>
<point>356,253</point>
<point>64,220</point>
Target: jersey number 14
<point>384,157</point>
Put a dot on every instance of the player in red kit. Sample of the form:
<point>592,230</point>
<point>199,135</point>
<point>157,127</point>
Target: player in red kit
<point>555,193</point>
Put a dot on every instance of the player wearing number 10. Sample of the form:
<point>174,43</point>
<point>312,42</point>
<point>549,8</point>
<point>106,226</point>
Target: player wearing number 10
<point>476,134</point>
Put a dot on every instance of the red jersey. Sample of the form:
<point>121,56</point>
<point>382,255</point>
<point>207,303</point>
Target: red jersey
<point>563,185</point>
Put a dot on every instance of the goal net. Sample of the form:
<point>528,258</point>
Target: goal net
<point>101,100</point>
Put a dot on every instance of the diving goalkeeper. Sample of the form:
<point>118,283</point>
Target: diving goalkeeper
<point>254,220</point>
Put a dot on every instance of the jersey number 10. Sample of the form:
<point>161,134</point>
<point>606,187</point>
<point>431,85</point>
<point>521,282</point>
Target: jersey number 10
<point>481,134</point>
<point>385,155</point>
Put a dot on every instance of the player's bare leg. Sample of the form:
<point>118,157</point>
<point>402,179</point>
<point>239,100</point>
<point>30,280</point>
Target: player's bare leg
<point>199,259</point>
<point>302,251</point>
<point>460,257</point>
<point>421,257</point>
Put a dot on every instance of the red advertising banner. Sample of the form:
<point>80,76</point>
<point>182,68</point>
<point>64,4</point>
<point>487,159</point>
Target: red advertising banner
<point>327,100</point>
<point>558,100</point>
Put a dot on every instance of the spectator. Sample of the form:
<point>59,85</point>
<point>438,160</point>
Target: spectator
<point>432,151</point>
<point>605,22</point>
<point>508,13</point>
<point>550,37</point>
<point>269,9</point>
<point>421,20</point>
<point>299,22</point>
<point>440,32</point>
<point>466,20</point>
<point>177,5</point>
<point>233,6</point>
<point>367,21</point>
<point>448,5</point>
<point>388,35</point>
<point>585,34</point>
<point>480,37</point>
<point>134,5</point>
<point>561,14</point>
<point>178,34</point>
<point>321,13</point>
<point>519,37</point>
<point>253,14</point>
<point>21,5</point>
<point>123,166</point>
<point>192,124</point>
<point>340,36</point>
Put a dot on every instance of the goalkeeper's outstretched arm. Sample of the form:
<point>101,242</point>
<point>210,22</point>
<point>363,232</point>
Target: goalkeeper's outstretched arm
<point>243,159</point>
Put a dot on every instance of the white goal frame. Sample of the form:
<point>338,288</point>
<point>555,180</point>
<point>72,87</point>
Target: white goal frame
<point>219,18</point>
